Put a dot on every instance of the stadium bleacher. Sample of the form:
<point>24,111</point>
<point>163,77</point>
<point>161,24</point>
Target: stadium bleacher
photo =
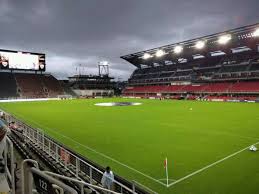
<point>222,87</point>
<point>241,87</point>
<point>53,86</point>
<point>30,86</point>
<point>223,70</point>
<point>25,85</point>
<point>189,71</point>
<point>8,87</point>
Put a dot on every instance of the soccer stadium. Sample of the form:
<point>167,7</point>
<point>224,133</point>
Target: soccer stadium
<point>186,121</point>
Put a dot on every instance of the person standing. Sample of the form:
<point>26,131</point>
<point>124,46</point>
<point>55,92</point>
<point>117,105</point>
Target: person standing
<point>108,178</point>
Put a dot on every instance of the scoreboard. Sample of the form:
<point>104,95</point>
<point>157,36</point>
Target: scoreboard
<point>17,60</point>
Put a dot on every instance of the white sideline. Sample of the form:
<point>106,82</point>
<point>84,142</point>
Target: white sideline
<point>210,165</point>
<point>93,150</point>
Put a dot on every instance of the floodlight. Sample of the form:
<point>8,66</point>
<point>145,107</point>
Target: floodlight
<point>224,39</point>
<point>200,44</point>
<point>104,63</point>
<point>256,33</point>
<point>178,49</point>
<point>146,56</point>
<point>160,53</point>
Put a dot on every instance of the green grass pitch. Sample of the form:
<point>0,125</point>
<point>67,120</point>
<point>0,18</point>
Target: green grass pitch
<point>192,135</point>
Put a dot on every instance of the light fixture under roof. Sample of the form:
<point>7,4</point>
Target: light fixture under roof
<point>178,49</point>
<point>224,39</point>
<point>200,44</point>
<point>256,33</point>
<point>160,53</point>
<point>146,56</point>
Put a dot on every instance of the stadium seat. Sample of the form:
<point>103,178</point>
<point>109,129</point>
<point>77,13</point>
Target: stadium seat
<point>30,86</point>
<point>8,90</point>
<point>245,87</point>
<point>38,86</point>
<point>53,86</point>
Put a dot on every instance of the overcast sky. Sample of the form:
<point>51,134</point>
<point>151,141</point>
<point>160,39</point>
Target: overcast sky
<point>85,32</point>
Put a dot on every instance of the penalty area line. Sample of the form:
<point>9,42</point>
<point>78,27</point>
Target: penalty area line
<point>95,151</point>
<point>211,165</point>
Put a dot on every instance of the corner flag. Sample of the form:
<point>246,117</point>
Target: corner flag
<point>165,163</point>
<point>166,170</point>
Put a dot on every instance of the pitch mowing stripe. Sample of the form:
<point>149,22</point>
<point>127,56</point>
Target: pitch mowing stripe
<point>210,165</point>
<point>93,150</point>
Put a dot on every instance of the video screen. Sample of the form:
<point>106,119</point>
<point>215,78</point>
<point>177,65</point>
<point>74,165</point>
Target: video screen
<point>22,60</point>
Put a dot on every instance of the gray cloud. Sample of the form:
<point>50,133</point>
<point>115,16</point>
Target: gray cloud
<point>83,31</point>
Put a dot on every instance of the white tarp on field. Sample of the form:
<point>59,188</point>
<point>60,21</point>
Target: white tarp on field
<point>118,104</point>
<point>28,100</point>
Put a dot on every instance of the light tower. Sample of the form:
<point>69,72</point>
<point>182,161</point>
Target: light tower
<point>103,67</point>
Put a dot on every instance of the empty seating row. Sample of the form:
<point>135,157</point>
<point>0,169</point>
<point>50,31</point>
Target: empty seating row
<point>221,67</point>
<point>236,68</point>
<point>222,87</point>
<point>8,87</point>
<point>245,87</point>
<point>53,86</point>
<point>30,86</point>
<point>14,85</point>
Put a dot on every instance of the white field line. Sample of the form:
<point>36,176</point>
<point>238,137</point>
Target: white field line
<point>210,165</point>
<point>164,179</point>
<point>137,183</point>
<point>95,151</point>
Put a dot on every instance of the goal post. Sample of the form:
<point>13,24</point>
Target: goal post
<point>65,97</point>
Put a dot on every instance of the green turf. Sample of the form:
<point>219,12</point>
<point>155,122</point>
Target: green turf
<point>142,136</point>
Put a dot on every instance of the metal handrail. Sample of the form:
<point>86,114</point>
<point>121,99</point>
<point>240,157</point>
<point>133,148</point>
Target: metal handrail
<point>27,178</point>
<point>10,172</point>
<point>82,183</point>
<point>38,137</point>
<point>24,162</point>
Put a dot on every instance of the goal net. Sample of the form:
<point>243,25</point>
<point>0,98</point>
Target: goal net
<point>65,97</point>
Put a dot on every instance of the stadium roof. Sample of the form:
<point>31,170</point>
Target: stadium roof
<point>236,40</point>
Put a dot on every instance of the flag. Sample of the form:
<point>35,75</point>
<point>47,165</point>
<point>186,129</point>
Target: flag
<point>165,163</point>
<point>166,171</point>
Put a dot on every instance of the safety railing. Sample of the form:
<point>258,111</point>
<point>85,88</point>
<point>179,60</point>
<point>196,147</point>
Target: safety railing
<point>70,161</point>
<point>45,180</point>
<point>9,163</point>
<point>36,181</point>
